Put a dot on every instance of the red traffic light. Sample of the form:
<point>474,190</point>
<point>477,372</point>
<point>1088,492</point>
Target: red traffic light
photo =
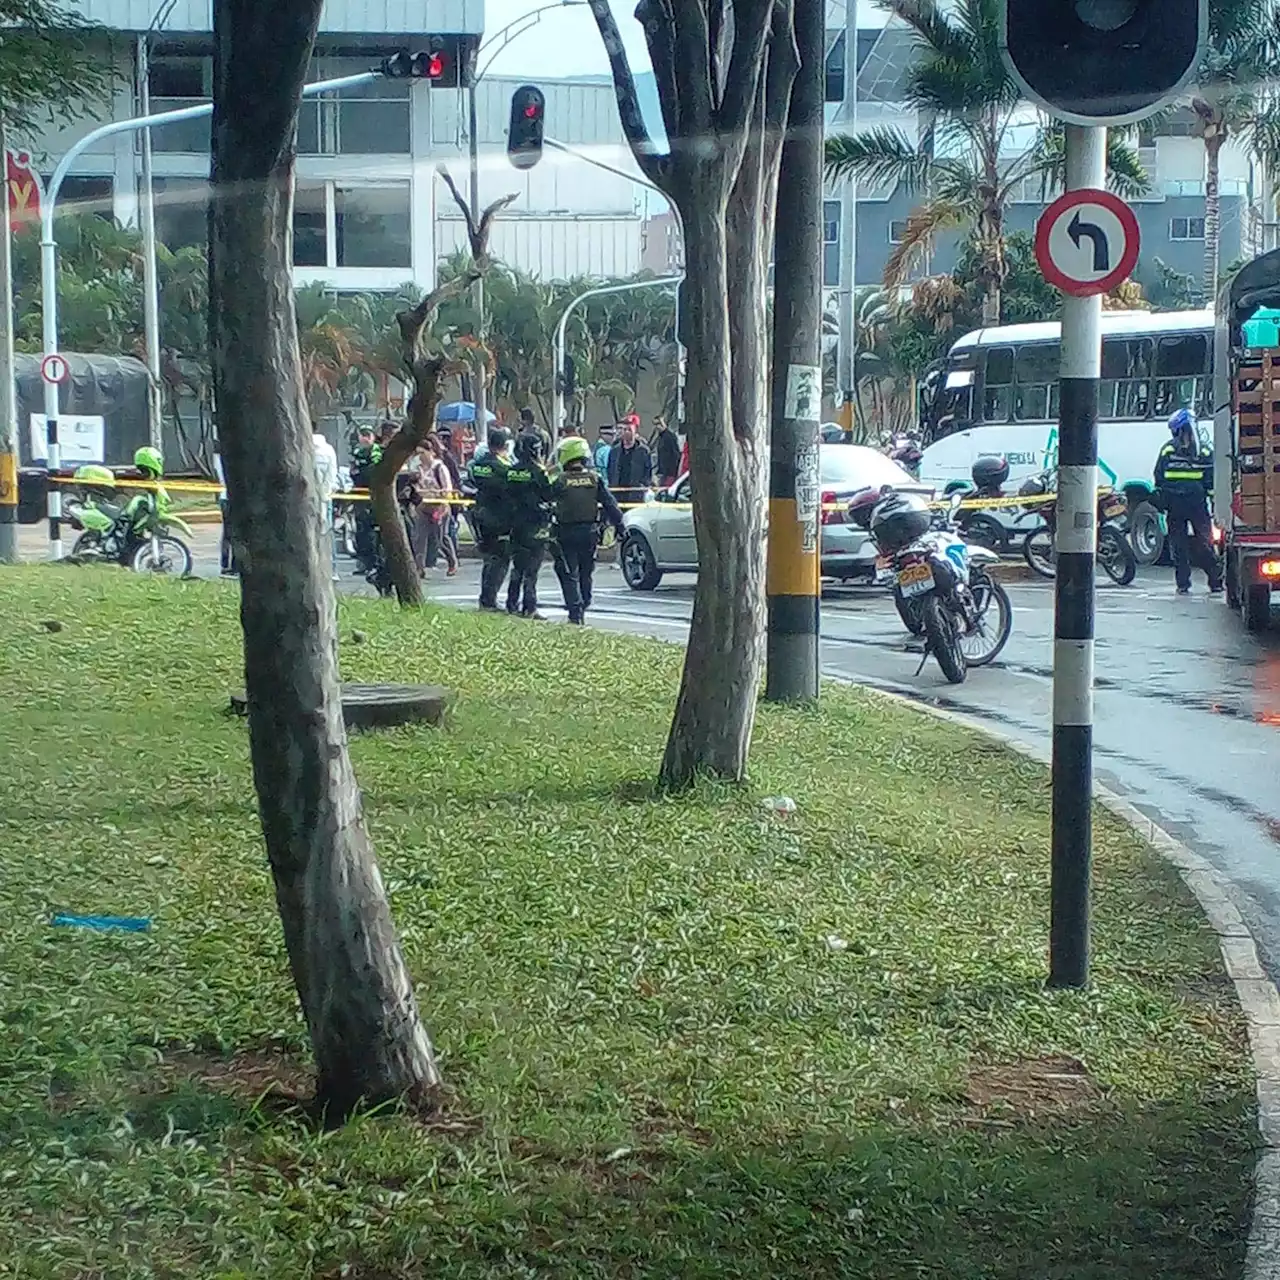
<point>524,132</point>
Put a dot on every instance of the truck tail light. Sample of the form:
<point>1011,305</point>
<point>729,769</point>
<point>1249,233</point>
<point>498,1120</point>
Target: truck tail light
<point>1270,568</point>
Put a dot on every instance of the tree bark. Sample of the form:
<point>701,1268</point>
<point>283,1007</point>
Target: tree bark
<point>724,130</point>
<point>1212,211</point>
<point>356,992</point>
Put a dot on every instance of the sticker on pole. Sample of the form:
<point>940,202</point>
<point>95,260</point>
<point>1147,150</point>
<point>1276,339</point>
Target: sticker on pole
<point>1087,242</point>
<point>55,369</point>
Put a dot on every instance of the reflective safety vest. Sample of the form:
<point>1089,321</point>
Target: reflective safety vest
<point>1179,471</point>
<point>578,498</point>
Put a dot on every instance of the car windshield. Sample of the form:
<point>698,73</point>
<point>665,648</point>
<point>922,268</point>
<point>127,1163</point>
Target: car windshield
<point>851,466</point>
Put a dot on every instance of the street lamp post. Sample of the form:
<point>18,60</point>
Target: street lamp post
<point>558,412</point>
<point>49,259</point>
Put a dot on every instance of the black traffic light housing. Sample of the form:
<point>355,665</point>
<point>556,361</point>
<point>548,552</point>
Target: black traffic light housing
<point>444,63</point>
<point>1096,62</point>
<point>524,133</point>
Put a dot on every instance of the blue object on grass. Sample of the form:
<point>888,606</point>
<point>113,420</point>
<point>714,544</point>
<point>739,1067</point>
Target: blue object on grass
<point>127,924</point>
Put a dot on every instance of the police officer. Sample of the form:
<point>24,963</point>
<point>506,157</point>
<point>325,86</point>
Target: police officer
<point>487,483</point>
<point>579,493</point>
<point>1184,476</point>
<point>528,493</point>
<point>366,453</point>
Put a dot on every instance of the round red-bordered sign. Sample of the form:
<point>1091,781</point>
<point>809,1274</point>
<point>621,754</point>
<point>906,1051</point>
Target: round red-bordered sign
<point>1087,242</point>
<point>54,368</point>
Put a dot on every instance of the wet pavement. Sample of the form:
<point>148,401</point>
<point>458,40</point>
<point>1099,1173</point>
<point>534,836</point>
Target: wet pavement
<point>1187,704</point>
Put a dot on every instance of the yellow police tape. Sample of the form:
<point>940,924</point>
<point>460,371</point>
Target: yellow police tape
<point>362,495</point>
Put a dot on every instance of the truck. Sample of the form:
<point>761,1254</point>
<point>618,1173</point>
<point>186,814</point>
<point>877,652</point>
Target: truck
<point>1246,437</point>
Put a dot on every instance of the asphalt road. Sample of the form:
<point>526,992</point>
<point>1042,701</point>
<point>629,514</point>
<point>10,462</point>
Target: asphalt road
<point>1187,703</point>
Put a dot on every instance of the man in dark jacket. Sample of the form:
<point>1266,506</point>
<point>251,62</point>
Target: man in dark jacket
<point>665,448</point>
<point>579,495</point>
<point>528,493</point>
<point>630,464</point>
<point>1184,478</point>
<point>487,483</point>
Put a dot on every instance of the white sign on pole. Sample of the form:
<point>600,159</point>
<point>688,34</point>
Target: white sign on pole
<point>81,438</point>
<point>1087,242</point>
<point>55,369</point>
<point>804,393</point>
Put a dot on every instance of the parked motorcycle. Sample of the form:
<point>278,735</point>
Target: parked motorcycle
<point>137,534</point>
<point>906,451</point>
<point>984,527</point>
<point>1114,552</point>
<point>942,585</point>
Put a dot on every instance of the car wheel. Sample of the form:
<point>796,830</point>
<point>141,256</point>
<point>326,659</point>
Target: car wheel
<point>639,567</point>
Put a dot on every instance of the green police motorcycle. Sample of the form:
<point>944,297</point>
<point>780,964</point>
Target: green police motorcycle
<point>137,533</point>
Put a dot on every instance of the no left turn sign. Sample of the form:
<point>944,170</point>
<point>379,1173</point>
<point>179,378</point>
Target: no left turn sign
<point>1087,242</point>
<point>55,369</point>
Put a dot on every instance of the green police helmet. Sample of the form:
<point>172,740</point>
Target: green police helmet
<point>149,459</point>
<point>92,474</point>
<point>572,449</point>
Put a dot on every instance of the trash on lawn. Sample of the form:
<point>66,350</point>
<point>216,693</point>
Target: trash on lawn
<point>125,924</point>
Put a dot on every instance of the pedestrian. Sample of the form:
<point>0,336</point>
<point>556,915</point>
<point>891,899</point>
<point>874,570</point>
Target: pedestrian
<point>529,426</point>
<point>604,443</point>
<point>430,514</point>
<point>326,464</point>
<point>630,465</point>
<point>487,481</point>
<point>364,457</point>
<point>226,556</point>
<point>528,494</point>
<point>664,445</point>
<point>579,494</point>
<point>450,460</point>
<point>1184,480</point>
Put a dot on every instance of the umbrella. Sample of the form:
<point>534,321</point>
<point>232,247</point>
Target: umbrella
<point>460,411</point>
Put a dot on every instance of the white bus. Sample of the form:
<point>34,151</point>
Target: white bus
<point>997,393</point>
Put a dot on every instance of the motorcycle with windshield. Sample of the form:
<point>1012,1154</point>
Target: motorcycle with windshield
<point>136,532</point>
<point>942,586</point>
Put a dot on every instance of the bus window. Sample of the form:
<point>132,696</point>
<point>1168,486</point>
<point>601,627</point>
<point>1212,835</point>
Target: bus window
<point>1036,374</point>
<point>1126,378</point>
<point>1182,374</point>
<point>997,393</point>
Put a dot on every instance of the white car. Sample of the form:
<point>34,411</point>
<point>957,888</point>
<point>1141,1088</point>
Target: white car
<point>658,537</point>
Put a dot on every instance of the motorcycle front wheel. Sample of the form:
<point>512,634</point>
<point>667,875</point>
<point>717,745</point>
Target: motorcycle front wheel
<point>162,555</point>
<point>944,640</point>
<point>993,625</point>
<point>909,612</point>
<point>1116,556</point>
<point>1038,552</point>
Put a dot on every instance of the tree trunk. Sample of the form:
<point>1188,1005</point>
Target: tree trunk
<point>1212,213</point>
<point>715,710</point>
<point>356,993</point>
<point>401,567</point>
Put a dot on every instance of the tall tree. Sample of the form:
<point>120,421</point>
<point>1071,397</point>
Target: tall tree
<point>724,70</point>
<point>964,168</point>
<point>355,991</point>
<point>428,366</point>
<point>51,61</point>
<point>1235,96</point>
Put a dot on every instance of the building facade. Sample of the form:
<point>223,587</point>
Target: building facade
<point>371,211</point>
<point>1171,215</point>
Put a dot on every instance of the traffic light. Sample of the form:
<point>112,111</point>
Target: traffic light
<point>1097,62</point>
<point>437,63</point>
<point>524,133</point>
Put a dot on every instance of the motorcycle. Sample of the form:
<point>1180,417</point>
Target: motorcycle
<point>1114,551</point>
<point>138,535</point>
<point>983,527</point>
<point>942,586</point>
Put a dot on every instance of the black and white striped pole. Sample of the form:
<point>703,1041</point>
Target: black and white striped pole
<point>1072,834</point>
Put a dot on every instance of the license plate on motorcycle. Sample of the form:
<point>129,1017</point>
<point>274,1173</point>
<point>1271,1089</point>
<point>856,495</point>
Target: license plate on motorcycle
<point>915,580</point>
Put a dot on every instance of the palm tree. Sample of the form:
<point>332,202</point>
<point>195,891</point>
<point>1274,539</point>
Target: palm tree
<point>1232,97</point>
<point>963,167</point>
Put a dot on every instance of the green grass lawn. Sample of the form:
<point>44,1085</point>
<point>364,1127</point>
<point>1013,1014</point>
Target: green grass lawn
<point>682,1038</point>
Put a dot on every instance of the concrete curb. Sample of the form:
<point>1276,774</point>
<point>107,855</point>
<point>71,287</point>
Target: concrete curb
<point>1257,994</point>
